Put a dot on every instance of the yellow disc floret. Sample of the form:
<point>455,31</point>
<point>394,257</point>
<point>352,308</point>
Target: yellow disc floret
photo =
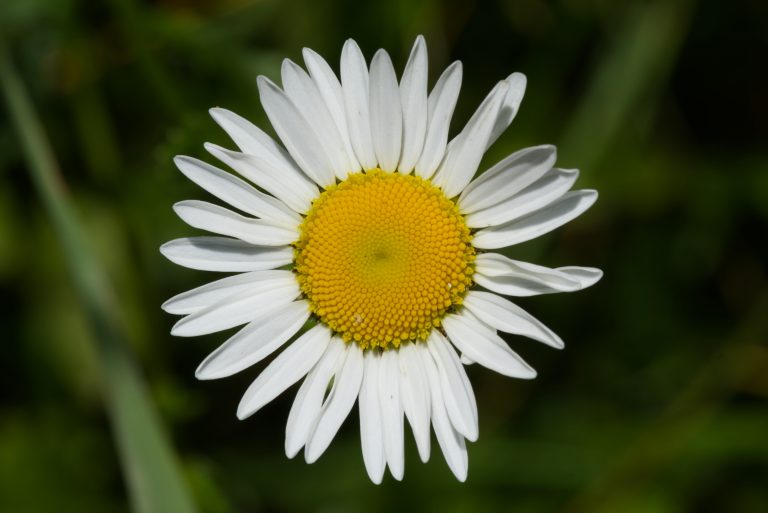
<point>382,257</point>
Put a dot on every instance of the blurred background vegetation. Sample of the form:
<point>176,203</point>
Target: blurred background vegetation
<point>657,404</point>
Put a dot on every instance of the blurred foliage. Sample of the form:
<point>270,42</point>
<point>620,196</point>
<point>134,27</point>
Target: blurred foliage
<point>657,404</point>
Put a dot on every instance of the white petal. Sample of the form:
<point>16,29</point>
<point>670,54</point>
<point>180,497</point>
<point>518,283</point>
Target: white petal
<point>252,140</point>
<point>451,442</point>
<point>507,178</point>
<point>440,105</point>
<point>520,286</point>
<point>414,396</point>
<point>268,155</point>
<point>457,391</point>
<point>466,150</point>
<point>413,97</point>
<point>256,341</point>
<point>341,399</point>
<point>509,108</point>
<point>485,347</point>
<point>587,276</point>
<point>304,94</point>
<point>391,413</point>
<point>330,89</point>
<point>538,195</point>
<point>514,278</point>
<point>466,360</point>
<point>354,80</point>
<point>504,315</point>
<point>371,434</point>
<point>309,399</point>
<point>289,367</point>
<point>202,297</point>
<point>386,112</point>
<point>239,308</point>
<point>236,192</point>
<point>297,135</point>
<point>224,254</point>
<point>216,219</point>
<point>284,182</point>
<point>542,221</point>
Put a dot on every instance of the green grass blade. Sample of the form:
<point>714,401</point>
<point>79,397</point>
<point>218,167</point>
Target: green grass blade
<point>636,64</point>
<point>152,473</point>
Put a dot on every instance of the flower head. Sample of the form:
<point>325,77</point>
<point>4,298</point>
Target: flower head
<point>365,246</point>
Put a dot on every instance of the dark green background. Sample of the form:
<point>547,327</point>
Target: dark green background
<point>658,402</point>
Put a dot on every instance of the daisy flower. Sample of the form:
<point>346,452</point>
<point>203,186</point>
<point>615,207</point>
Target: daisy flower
<point>364,243</point>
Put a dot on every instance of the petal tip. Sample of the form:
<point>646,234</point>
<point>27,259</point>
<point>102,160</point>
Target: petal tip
<point>180,330</point>
<point>265,85</point>
<point>164,249</point>
<point>213,149</point>
<point>291,449</point>
<point>530,373</point>
<point>381,53</point>
<point>518,79</point>
<point>167,304</point>
<point>350,45</point>
<point>206,372</point>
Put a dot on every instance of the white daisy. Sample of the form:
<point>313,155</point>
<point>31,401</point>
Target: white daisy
<point>365,246</point>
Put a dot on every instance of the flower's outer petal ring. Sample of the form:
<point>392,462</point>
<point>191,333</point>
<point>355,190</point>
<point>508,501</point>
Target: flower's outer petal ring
<point>507,178</point>
<point>202,297</point>
<point>237,192</point>
<point>304,94</point>
<point>587,276</point>
<point>216,219</point>
<point>392,413</point>
<point>386,112</point>
<point>509,107</point>
<point>457,394</point>
<point>413,97</point>
<point>309,399</point>
<point>440,105</point>
<point>330,89</point>
<point>554,215</point>
<point>504,315</point>
<point>354,81</point>
<point>290,186</point>
<point>300,140</point>
<point>450,441</point>
<point>414,396</point>
<point>486,348</point>
<point>286,369</point>
<point>223,254</point>
<point>466,150</point>
<point>544,191</point>
<point>514,278</point>
<point>341,399</point>
<point>239,308</point>
<point>371,432</point>
<point>255,342</point>
<point>253,141</point>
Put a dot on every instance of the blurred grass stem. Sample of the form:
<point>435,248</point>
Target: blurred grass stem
<point>636,65</point>
<point>152,473</point>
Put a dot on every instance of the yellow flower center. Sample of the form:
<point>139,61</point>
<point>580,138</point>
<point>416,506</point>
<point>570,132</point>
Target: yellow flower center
<point>382,257</point>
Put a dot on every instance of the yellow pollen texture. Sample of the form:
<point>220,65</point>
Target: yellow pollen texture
<point>382,257</point>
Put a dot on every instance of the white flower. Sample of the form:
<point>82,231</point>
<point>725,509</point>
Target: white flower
<point>367,234</point>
